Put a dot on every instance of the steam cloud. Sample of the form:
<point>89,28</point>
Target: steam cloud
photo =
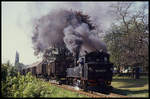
<point>64,27</point>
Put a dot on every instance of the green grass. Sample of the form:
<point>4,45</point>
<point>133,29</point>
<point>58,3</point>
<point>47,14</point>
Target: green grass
<point>131,87</point>
<point>59,92</point>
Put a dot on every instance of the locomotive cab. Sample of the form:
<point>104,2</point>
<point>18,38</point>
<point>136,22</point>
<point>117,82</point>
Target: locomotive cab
<point>96,70</point>
<point>98,65</point>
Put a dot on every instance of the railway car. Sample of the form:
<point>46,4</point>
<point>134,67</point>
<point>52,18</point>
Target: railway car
<point>51,70</point>
<point>33,68</point>
<point>57,68</point>
<point>41,70</point>
<point>30,69</point>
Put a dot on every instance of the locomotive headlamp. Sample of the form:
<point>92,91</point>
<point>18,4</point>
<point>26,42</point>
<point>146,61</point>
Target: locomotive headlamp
<point>109,82</point>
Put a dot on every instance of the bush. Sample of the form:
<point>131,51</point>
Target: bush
<point>4,71</point>
<point>8,70</point>
<point>24,86</point>
<point>20,86</point>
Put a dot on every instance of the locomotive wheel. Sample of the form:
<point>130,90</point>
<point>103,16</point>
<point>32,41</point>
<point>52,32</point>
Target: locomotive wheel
<point>110,87</point>
<point>59,82</point>
<point>71,81</point>
<point>74,82</point>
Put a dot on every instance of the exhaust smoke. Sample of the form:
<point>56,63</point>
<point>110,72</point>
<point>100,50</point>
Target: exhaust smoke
<point>65,27</point>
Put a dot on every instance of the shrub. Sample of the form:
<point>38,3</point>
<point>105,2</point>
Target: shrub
<point>19,86</point>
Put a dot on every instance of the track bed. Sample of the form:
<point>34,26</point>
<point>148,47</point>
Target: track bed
<point>91,94</point>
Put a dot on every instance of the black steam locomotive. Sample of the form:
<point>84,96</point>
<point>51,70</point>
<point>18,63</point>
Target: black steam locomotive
<point>92,69</point>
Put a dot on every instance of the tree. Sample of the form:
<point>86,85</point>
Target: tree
<point>8,70</point>
<point>128,39</point>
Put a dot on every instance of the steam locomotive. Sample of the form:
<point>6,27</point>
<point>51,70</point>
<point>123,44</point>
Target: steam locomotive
<point>95,70</point>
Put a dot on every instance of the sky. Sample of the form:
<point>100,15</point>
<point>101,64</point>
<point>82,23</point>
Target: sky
<point>17,20</point>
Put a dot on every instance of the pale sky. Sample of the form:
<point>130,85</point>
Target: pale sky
<point>16,26</point>
<point>15,36</point>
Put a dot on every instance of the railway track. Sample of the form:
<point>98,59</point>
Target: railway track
<point>90,94</point>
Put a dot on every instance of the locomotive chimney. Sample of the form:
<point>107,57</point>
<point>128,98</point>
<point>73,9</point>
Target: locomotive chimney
<point>77,51</point>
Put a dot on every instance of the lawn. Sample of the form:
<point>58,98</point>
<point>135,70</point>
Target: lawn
<point>59,92</point>
<point>131,87</point>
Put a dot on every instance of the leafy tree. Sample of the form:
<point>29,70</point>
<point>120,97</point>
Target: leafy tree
<point>128,39</point>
